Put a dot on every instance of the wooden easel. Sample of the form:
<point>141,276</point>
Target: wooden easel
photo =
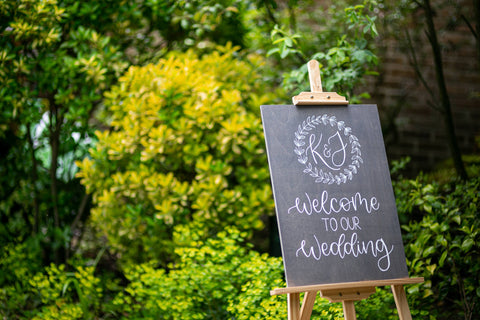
<point>346,292</point>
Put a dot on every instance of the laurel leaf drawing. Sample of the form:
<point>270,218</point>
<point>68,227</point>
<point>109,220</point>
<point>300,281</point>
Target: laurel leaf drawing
<point>299,136</point>
<point>353,168</point>
<point>357,151</point>
<point>324,119</point>
<point>350,175</point>
<point>340,125</point>
<point>298,143</point>
<point>333,121</point>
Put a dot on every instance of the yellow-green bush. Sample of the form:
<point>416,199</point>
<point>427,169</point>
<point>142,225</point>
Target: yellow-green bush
<point>66,295</point>
<point>218,278</point>
<point>185,144</point>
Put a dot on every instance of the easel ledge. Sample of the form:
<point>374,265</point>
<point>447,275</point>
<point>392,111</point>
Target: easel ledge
<point>346,285</point>
<point>347,293</point>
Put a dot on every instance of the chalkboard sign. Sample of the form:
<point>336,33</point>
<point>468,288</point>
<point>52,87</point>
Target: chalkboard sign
<point>333,194</point>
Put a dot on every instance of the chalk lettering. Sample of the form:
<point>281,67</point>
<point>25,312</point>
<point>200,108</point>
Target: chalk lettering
<point>326,205</point>
<point>342,248</point>
<point>333,154</point>
<point>346,223</point>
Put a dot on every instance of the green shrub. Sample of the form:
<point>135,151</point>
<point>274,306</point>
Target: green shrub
<point>18,263</point>
<point>379,306</point>
<point>213,279</point>
<point>185,145</point>
<point>443,245</point>
<point>67,295</point>
<point>218,278</point>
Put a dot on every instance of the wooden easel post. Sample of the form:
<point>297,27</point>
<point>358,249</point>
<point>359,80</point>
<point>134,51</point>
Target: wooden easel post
<point>317,96</point>
<point>349,292</point>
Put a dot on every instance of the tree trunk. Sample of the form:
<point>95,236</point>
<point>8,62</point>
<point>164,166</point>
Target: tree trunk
<point>476,5</point>
<point>56,120</point>
<point>54,145</point>
<point>36,208</point>
<point>444,98</point>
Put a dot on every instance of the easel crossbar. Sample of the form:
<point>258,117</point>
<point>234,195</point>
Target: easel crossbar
<point>346,285</point>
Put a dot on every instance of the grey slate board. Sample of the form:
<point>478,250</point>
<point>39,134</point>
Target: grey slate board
<point>333,194</point>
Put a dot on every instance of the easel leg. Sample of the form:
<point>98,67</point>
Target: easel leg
<point>307,305</point>
<point>401,302</point>
<point>293,301</point>
<point>349,310</point>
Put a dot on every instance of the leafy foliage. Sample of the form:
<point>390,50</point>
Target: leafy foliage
<point>18,263</point>
<point>345,55</point>
<point>213,279</point>
<point>57,58</point>
<point>53,293</point>
<point>443,245</point>
<point>53,73</point>
<point>186,145</point>
<point>55,288</point>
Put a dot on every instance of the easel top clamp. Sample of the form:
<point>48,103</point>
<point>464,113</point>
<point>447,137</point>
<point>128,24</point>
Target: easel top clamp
<point>317,96</point>
<point>346,293</point>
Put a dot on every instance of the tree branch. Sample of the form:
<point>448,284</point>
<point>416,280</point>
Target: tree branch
<point>469,25</point>
<point>269,12</point>
<point>292,19</point>
<point>416,66</point>
<point>80,212</point>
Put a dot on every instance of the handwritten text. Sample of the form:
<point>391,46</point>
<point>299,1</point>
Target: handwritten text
<point>326,205</point>
<point>354,247</point>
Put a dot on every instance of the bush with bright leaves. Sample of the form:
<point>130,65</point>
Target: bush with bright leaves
<point>185,145</point>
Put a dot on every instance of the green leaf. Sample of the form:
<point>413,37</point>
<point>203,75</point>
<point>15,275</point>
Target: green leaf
<point>429,251</point>
<point>288,42</point>
<point>444,256</point>
<point>467,244</point>
<point>272,51</point>
<point>431,268</point>
<point>457,218</point>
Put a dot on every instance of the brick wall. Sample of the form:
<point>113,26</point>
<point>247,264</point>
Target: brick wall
<point>417,129</point>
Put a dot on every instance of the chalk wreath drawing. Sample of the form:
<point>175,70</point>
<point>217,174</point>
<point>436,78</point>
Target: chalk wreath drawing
<point>328,153</point>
